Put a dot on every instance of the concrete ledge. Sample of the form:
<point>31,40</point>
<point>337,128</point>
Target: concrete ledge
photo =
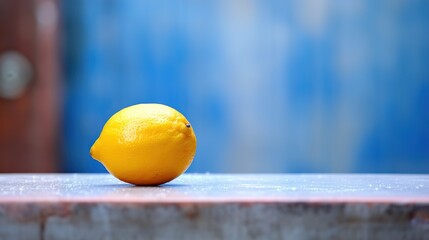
<point>83,206</point>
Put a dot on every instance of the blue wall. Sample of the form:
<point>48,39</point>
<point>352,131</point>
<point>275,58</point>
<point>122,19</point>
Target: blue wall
<point>269,86</point>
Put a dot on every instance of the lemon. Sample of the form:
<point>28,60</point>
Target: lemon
<point>146,144</point>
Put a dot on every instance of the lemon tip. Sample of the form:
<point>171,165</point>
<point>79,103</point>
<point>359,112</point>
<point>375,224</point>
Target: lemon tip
<point>93,152</point>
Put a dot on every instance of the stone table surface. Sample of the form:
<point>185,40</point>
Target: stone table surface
<point>215,206</point>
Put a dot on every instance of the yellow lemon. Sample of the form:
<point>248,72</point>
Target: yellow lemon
<point>146,144</point>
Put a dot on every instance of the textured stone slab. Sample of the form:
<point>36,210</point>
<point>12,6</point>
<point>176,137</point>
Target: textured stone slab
<point>212,206</point>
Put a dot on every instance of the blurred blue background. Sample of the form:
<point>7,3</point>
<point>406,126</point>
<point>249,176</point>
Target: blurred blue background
<point>269,86</point>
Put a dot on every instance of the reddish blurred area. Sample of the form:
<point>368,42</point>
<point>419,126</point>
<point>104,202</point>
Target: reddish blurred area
<point>29,120</point>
